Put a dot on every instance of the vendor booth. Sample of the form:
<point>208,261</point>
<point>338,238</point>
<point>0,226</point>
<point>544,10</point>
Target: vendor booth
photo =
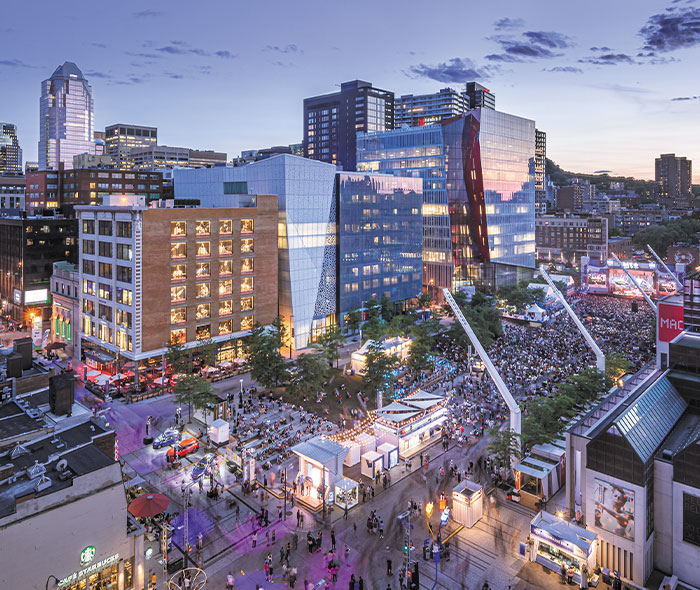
<point>397,346</point>
<point>554,542</point>
<point>537,479</point>
<point>346,493</point>
<point>354,451</point>
<point>390,453</point>
<point>320,467</point>
<point>372,463</point>
<point>467,503</point>
<point>219,432</point>
<point>411,422</point>
<point>367,443</point>
<point>535,313</point>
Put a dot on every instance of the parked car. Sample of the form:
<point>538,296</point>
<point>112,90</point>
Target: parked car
<point>184,447</point>
<point>204,466</point>
<point>170,436</point>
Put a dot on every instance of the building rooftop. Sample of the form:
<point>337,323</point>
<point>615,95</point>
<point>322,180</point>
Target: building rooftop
<point>685,433</point>
<point>67,69</point>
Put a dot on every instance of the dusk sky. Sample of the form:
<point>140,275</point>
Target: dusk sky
<point>613,83</point>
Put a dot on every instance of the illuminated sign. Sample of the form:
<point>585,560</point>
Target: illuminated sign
<point>18,297</point>
<point>88,571</point>
<point>87,555</point>
<point>670,321</point>
<point>36,296</point>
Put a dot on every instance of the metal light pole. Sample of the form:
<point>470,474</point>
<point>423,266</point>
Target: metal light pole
<point>49,578</point>
<point>635,283</point>
<point>666,268</point>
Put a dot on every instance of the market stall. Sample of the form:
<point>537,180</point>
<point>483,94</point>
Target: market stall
<point>320,467</point>
<point>372,463</point>
<point>537,480</point>
<point>346,493</point>
<point>467,503</point>
<point>354,451</point>
<point>554,542</point>
<point>390,453</point>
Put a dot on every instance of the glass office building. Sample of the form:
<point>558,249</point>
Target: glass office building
<point>66,112</point>
<point>379,238</point>
<point>478,193</point>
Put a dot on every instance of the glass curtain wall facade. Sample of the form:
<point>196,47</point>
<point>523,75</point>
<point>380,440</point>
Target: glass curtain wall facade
<point>426,109</point>
<point>417,152</point>
<point>10,152</point>
<point>379,239</point>
<point>66,111</point>
<point>120,139</point>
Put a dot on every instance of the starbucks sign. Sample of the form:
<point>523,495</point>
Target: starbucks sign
<point>87,555</point>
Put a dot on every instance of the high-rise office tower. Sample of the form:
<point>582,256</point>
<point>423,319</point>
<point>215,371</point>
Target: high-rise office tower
<point>540,166</point>
<point>121,138</point>
<point>65,117</point>
<point>480,96</point>
<point>331,121</point>
<point>10,152</point>
<point>674,176</point>
<point>426,109</point>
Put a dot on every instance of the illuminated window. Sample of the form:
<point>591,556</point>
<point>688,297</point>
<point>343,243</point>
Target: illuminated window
<point>246,303</point>
<point>178,336</point>
<point>124,296</point>
<point>203,290</point>
<point>203,311</point>
<point>178,315</point>
<point>203,332</point>
<point>89,226</point>
<point>105,291</point>
<point>202,227</point>
<point>203,269</point>
<point>246,226</point>
<point>225,307</point>
<point>88,287</point>
<point>226,287</point>
<point>178,272</point>
<point>226,267</point>
<point>246,284</point>
<point>246,265</point>
<point>226,327</point>
<point>247,245</point>
<point>226,248</point>
<point>247,322</point>
<point>178,250</point>
<point>225,227</point>
<point>178,293</point>
<point>178,229</point>
<point>203,249</point>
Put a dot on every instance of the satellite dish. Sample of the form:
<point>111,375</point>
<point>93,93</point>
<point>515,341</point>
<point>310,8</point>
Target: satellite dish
<point>62,465</point>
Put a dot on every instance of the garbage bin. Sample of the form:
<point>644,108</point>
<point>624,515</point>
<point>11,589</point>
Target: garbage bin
<point>605,575</point>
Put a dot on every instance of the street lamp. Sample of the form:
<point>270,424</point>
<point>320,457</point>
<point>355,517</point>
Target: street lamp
<point>49,578</point>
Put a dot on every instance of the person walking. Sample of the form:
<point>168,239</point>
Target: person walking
<point>388,567</point>
<point>255,539</point>
<point>229,581</point>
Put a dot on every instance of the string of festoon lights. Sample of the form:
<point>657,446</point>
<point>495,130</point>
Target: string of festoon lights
<point>356,430</point>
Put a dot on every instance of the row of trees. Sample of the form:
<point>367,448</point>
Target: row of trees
<point>660,237</point>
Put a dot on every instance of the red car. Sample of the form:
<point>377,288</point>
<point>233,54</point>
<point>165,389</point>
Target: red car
<point>184,447</point>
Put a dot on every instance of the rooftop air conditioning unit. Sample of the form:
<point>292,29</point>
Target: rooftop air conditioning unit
<point>42,483</point>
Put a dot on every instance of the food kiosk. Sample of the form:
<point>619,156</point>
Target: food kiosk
<point>354,451</point>
<point>346,493</point>
<point>537,479</point>
<point>555,542</point>
<point>467,503</point>
<point>320,467</point>
<point>372,463</point>
<point>390,453</point>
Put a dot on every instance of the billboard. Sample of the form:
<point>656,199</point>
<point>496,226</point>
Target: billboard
<point>670,320</point>
<point>691,519</point>
<point>614,509</point>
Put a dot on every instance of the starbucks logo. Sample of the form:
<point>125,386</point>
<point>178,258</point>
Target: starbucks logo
<point>87,555</point>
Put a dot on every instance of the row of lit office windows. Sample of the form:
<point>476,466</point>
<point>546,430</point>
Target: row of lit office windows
<point>202,227</point>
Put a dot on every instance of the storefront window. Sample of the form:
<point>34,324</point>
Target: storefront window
<point>225,307</point>
<point>178,229</point>
<point>247,322</point>
<point>178,272</point>
<point>178,315</point>
<point>203,269</point>
<point>226,287</point>
<point>226,267</point>
<point>203,227</point>
<point>247,245</point>
<point>246,226</point>
<point>225,227</point>
<point>178,250</point>
<point>246,265</point>
<point>203,290</point>
<point>203,311</point>
<point>203,332</point>
<point>178,336</point>
<point>226,327</point>
<point>129,573</point>
<point>226,248</point>
<point>246,284</point>
<point>178,293</point>
<point>203,249</point>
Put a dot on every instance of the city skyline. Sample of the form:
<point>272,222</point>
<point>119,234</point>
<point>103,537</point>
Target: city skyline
<point>238,81</point>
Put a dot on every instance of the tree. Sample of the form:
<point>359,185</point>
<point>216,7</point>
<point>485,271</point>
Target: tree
<point>387,308</point>
<point>194,390</point>
<point>419,357</point>
<point>353,320</point>
<point>516,296</point>
<point>178,357</point>
<point>616,365</point>
<point>309,374</point>
<point>504,444</point>
<point>374,329</point>
<point>267,365</point>
<point>424,300</point>
<point>331,341</point>
<point>373,308</point>
<point>207,351</point>
<point>378,368</point>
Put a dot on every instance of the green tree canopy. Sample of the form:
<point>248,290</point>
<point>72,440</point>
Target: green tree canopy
<point>309,374</point>
<point>378,368</point>
<point>330,342</point>
<point>267,366</point>
<point>504,444</point>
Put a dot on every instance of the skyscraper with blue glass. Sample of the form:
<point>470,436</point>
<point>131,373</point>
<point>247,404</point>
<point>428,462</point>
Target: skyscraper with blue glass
<point>478,193</point>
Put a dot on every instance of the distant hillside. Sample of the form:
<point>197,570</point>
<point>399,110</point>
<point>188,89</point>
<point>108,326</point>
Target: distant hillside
<point>562,177</point>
